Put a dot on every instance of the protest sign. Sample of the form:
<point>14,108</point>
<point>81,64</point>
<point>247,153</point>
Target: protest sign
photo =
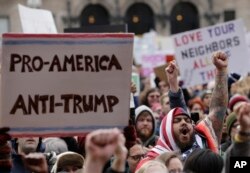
<point>160,73</point>
<point>65,84</point>
<point>136,80</point>
<point>150,61</point>
<point>36,20</point>
<point>194,48</point>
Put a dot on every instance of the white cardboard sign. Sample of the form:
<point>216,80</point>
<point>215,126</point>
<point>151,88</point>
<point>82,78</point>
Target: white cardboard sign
<point>194,48</point>
<point>36,20</point>
<point>65,84</point>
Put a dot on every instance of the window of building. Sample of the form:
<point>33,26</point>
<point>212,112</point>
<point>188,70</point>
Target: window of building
<point>184,17</point>
<point>94,15</point>
<point>140,18</point>
<point>229,15</point>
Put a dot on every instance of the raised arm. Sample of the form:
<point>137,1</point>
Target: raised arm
<point>176,97</point>
<point>219,100</point>
<point>100,146</point>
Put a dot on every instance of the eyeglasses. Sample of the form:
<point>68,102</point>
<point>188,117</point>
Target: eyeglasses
<point>138,157</point>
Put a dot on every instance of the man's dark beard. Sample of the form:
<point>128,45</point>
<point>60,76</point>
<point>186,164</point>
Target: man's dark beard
<point>186,146</point>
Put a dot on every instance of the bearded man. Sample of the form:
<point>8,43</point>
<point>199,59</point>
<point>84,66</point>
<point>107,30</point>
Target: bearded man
<point>145,126</point>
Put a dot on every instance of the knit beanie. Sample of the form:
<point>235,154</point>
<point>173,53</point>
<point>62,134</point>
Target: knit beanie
<point>231,118</point>
<point>232,78</point>
<point>180,111</point>
<point>236,99</point>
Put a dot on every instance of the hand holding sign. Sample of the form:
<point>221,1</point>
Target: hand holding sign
<point>220,60</point>
<point>172,74</point>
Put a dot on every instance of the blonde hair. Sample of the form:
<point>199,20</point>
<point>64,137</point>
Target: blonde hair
<point>149,164</point>
<point>242,86</point>
<point>166,157</point>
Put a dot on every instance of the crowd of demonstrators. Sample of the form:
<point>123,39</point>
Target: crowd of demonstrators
<point>165,136</point>
<point>177,132</point>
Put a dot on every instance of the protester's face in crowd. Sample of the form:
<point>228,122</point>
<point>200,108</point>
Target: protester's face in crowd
<point>165,105</point>
<point>27,145</point>
<point>197,108</point>
<point>157,109</point>
<point>207,99</point>
<point>153,97</point>
<point>163,87</point>
<point>183,131</point>
<point>144,125</point>
<point>175,165</point>
<point>136,153</point>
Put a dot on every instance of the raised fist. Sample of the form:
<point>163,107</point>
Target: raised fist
<point>220,60</point>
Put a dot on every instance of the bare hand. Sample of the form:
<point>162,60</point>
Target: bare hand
<point>35,162</point>
<point>220,60</point>
<point>121,151</point>
<point>101,144</point>
<point>243,116</point>
<point>172,71</point>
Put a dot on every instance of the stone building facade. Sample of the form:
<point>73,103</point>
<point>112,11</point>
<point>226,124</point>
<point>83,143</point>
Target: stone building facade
<point>164,16</point>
